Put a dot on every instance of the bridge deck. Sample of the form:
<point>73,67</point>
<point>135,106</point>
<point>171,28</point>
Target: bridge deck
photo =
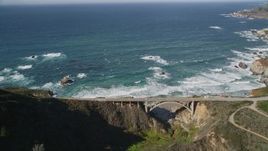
<point>172,99</point>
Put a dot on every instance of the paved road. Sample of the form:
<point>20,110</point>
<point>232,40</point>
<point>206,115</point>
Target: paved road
<point>252,107</point>
<point>171,99</point>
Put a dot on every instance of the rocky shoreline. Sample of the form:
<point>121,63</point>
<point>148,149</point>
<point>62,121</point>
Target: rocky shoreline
<point>259,67</point>
<point>256,13</point>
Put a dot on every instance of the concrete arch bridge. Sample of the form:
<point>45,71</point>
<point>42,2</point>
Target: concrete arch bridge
<point>170,106</point>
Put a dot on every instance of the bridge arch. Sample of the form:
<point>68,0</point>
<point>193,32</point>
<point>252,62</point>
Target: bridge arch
<point>171,103</point>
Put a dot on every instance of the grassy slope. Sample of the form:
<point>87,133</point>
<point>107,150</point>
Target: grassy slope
<point>263,106</point>
<point>253,121</point>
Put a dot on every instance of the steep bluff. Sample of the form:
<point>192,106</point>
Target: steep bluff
<point>48,124</point>
<point>55,124</point>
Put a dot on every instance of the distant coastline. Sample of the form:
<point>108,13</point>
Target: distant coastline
<point>255,13</point>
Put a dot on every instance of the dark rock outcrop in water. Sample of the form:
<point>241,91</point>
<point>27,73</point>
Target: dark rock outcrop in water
<point>27,122</point>
<point>243,65</point>
<point>66,81</point>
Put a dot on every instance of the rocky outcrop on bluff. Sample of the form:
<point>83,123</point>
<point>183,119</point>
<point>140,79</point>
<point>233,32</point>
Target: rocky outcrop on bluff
<point>259,66</point>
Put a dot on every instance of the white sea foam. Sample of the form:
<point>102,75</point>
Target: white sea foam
<point>51,86</point>
<point>217,83</point>
<point>52,55</point>
<point>159,73</point>
<point>137,82</point>
<point>55,87</point>
<point>227,79</point>
<point>81,75</point>
<point>48,85</point>
<point>157,59</point>
<point>24,67</point>
<point>244,57</point>
<point>2,78</point>
<point>259,49</point>
<point>14,77</point>
<point>17,76</point>
<point>216,70</point>
<point>152,88</point>
<point>226,15</point>
<point>6,70</point>
<point>216,27</point>
<point>248,35</point>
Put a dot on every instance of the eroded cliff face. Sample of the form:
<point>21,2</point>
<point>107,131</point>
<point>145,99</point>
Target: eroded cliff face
<point>201,117</point>
<point>52,124</point>
<point>27,122</point>
<point>130,117</point>
<point>204,136</point>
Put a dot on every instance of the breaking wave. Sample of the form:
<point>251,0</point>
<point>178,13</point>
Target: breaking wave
<point>159,73</point>
<point>50,56</point>
<point>5,70</point>
<point>216,27</point>
<point>248,35</point>
<point>156,59</point>
<point>152,88</point>
<point>81,75</point>
<point>230,78</point>
<point>10,77</point>
<point>2,78</point>
<point>17,76</point>
<point>24,67</point>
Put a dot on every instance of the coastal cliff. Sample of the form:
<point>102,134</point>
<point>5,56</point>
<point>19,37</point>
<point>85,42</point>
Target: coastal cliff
<point>26,122</point>
<point>45,123</point>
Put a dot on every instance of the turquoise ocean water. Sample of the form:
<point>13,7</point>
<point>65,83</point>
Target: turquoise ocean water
<point>129,49</point>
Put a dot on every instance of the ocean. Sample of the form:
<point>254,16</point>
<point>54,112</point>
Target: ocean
<point>137,50</point>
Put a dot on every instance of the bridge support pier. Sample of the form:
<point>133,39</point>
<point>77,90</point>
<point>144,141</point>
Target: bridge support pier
<point>192,107</point>
<point>145,104</point>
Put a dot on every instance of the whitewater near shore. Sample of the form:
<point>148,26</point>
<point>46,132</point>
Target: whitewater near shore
<point>178,56</point>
